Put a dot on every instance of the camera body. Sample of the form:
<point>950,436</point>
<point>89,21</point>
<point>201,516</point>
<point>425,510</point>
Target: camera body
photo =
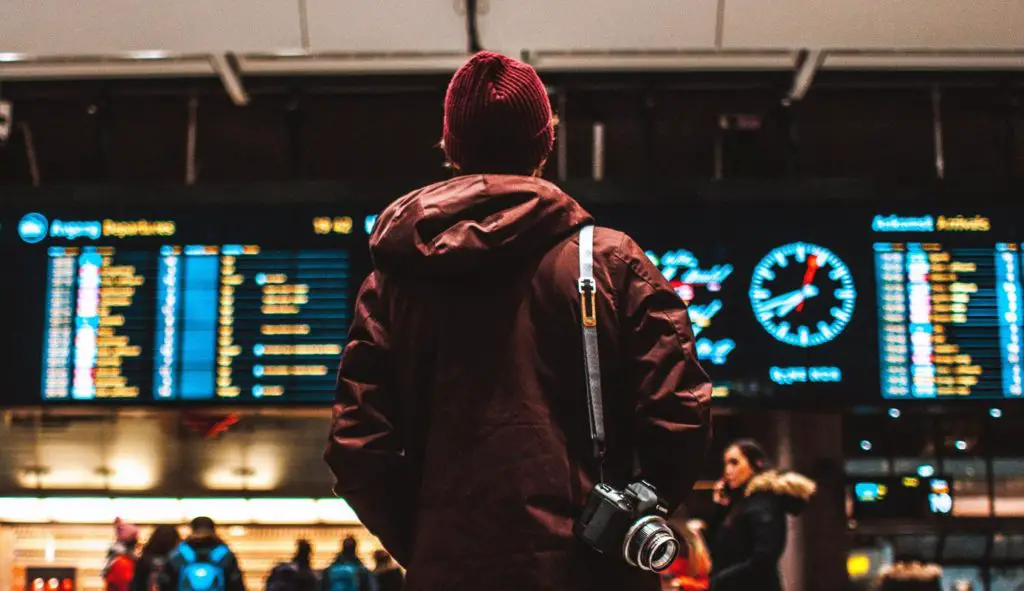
<point>630,523</point>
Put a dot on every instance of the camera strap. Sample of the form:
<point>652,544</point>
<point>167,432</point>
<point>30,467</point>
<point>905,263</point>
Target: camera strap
<point>591,361</point>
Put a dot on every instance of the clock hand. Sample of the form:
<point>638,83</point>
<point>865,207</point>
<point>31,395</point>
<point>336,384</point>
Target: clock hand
<point>812,268</point>
<point>782,300</point>
<point>798,301</point>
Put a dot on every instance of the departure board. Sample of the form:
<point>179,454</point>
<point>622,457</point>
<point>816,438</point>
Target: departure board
<point>138,312</point>
<point>949,315</point>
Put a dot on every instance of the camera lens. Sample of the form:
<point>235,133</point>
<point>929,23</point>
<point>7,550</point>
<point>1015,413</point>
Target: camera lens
<point>650,544</point>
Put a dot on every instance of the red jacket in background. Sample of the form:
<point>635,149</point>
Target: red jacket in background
<point>460,431</point>
<point>120,573</point>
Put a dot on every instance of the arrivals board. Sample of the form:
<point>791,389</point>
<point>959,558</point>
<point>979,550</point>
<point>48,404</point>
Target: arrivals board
<point>948,309</point>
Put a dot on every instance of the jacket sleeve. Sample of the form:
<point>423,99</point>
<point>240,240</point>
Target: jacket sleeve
<point>768,536</point>
<point>672,417</point>
<point>365,451</point>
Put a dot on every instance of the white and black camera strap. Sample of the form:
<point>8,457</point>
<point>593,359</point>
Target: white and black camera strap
<point>591,360</point>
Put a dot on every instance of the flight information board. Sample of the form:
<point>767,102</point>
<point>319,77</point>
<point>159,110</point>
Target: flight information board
<point>135,311</point>
<point>194,322</point>
<point>949,310</point>
<point>795,305</point>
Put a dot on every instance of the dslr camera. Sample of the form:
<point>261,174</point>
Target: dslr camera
<point>630,523</point>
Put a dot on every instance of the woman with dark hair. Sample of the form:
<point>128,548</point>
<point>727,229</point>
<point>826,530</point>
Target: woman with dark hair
<point>163,541</point>
<point>748,531</point>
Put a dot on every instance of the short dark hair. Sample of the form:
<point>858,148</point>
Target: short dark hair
<point>755,454</point>
<point>203,524</point>
<point>348,546</point>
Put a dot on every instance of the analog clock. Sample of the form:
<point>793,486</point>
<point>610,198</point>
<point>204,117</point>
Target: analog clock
<point>803,294</point>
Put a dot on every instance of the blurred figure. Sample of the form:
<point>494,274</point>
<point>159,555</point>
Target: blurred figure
<point>748,531</point>
<point>297,575</point>
<point>389,577</point>
<point>203,562</point>
<point>347,572</point>
<point>911,576</point>
<point>162,542</point>
<point>461,419</point>
<point>690,571</point>
<point>119,569</point>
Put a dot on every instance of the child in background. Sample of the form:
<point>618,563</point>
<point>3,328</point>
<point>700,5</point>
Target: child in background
<point>119,571</point>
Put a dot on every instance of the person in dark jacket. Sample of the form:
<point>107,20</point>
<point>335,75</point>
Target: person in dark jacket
<point>156,552</point>
<point>339,574</point>
<point>206,546</point>
<point>910,576</point>
<point>748,532</point>
<point>461,432</point>
<point>296,575</point>
<point>389,577</point>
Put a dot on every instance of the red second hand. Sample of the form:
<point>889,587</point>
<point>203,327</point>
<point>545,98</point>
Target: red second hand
<point>812,268</point>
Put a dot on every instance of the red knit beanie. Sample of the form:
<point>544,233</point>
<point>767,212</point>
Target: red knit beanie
<point>497,117</point>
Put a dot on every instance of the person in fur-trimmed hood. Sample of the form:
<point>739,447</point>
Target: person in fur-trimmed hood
<point>910,576</point>
<point>748,531</point>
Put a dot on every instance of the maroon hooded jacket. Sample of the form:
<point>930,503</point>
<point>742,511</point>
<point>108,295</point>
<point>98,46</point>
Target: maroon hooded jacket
<point>460,432</point>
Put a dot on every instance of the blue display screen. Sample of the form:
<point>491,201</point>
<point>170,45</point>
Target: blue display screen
<point>199,309</point>
<point>902,497</point>
<point>792,304</point>
<point>949,312</point>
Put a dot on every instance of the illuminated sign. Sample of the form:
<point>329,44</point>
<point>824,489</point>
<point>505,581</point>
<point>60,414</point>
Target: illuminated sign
<point>75,230</point>
<point>928,223</point>
<point>369,223</point>
<point>961,224</point>
<point>895,223</point>
<point>338,225</point>
<point>116,229</point>
<point>785,376</point>
<point>33,227</point>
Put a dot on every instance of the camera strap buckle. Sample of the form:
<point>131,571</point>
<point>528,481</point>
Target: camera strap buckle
<point>588,302</point>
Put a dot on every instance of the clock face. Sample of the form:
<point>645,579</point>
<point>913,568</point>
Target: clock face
<point>802,294</point>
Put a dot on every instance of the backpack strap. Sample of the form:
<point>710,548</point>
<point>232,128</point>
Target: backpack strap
<point>218,554</point>
<point>591,359</point>
<point>187,553</point>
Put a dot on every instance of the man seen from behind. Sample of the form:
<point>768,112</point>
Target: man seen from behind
<point>461,434</point>
<point>203,562</point>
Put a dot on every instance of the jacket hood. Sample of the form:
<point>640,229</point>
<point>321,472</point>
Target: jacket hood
<point>794,489</point>
<point>461,225</point>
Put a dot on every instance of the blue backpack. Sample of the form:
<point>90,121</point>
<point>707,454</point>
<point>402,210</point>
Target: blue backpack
<point>342,576</point>
<point>202,575</point>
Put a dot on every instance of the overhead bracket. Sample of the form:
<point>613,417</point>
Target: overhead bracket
<point>807,64</point>
<point>230,73</point>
